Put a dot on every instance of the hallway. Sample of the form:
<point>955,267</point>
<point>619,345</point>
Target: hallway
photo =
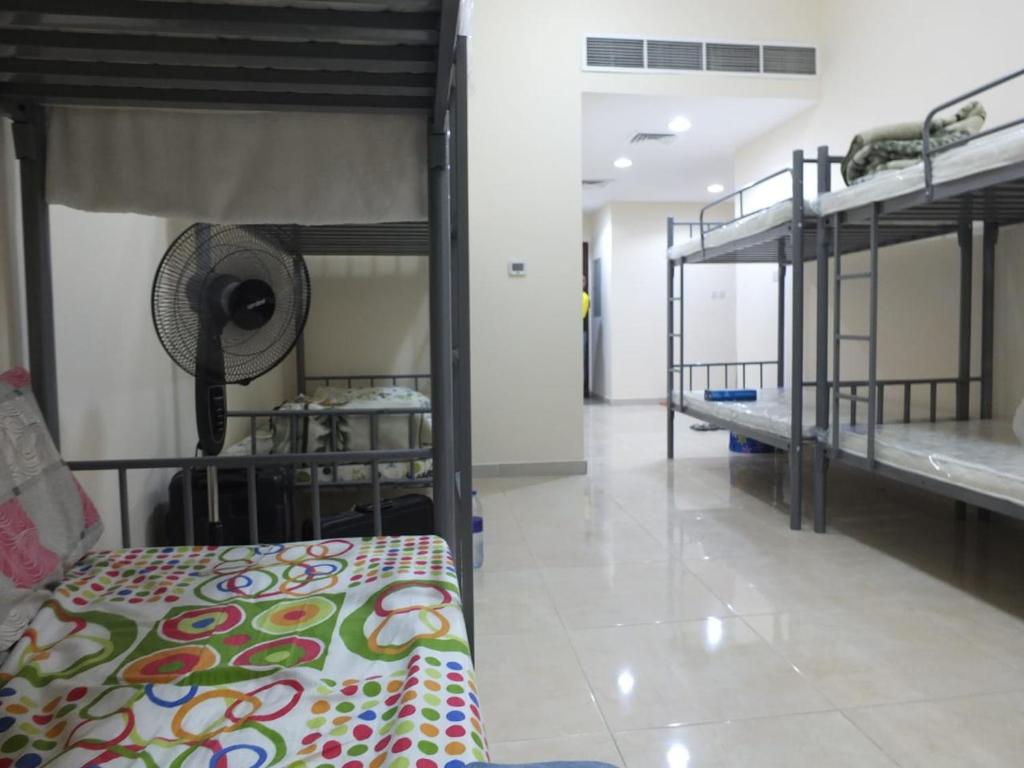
<point>663,614</point>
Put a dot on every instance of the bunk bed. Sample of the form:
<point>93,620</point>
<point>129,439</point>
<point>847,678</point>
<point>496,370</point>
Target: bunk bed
<point>318,651</point>
<point>787,234</point>
<point>341,411</point>
<point>979,178</point>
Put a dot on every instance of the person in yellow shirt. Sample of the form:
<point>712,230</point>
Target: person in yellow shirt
<point>586,301</point>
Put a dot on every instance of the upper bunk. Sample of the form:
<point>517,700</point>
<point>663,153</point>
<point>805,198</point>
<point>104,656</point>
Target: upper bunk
<point>403,238</point>
<point>296,55</point>
<point>979,177</point>
<point>765,235</point>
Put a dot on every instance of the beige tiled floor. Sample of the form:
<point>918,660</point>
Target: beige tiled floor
<point>658,614</point>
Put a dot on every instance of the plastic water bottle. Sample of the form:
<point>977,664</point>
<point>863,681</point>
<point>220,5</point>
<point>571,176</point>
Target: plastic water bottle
<point>478,531</point>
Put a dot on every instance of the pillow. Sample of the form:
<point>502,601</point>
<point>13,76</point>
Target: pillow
<point>47,522</point>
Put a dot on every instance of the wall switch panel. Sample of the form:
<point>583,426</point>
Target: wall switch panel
<point>517,269</point>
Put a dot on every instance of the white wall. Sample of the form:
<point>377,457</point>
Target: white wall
<point>631,364</point>
<point>601,307</point>
<point>11,341</point>
<point>120,395</point>
<point>525,153</point>
<point>873,74</point>
<point>370,314</point>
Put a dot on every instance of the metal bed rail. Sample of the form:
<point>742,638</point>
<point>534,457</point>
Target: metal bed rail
<point>373,380</point>
<point>739,370</point>
<point>250,464</point>
<point>705,227</point>
<point>414,416</point>
<point>852,391</point>
<point>929,152</point>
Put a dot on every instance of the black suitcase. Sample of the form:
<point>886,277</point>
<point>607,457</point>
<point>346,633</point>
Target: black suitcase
<point>274,504</point>
<point>409,515</point>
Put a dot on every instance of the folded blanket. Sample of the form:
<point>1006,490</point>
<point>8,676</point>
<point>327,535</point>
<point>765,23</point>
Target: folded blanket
<point>899,145</point>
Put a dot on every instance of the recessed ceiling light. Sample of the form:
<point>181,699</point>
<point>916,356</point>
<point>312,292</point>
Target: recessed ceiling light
<point>680,124</point>
<point>623,162</point>
<point>715,189</point>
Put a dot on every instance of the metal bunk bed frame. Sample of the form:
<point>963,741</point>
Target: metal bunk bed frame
<point>993,197</point>
<point>793,242</point>
<point>787,243</point>
<point>216,55</point>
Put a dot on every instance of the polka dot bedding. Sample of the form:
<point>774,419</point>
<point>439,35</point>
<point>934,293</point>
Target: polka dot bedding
<point>347,652</point>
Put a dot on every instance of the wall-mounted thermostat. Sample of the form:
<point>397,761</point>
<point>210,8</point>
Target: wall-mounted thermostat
<point>517,269</point>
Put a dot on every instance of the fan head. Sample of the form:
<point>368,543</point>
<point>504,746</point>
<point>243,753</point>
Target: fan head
<point>247,291</point>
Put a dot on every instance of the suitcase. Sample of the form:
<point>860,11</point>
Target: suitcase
<point>274,504</point>
<point>409,515</point>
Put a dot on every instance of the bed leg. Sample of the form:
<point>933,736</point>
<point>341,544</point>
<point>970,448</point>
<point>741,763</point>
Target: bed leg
<point>960,511</point>
<point>820,488</point>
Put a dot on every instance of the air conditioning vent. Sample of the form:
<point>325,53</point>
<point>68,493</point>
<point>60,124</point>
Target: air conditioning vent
<point>789,60</point>
<point>666,56</point>
<point>727,57</point>
<point>663,138</point>
<point>620,53</point>
<point>670,54</point>
<point>596,183</point>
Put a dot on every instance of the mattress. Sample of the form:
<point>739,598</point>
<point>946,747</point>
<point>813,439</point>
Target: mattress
<point>749,225</point>
<point>986,153</point>
<point>984,456</point>
<point>342,652</point>
<point>771,413</point>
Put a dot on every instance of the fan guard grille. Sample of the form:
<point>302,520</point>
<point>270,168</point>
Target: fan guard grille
<point>205,250</point>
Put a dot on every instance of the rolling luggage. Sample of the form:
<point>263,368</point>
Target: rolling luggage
<point>409,515</point>
<point>274,495</point>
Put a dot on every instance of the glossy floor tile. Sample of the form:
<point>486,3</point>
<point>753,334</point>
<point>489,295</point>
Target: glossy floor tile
<point>977,731</point>
<point>820,739</point>
<point>662,613</point>
<point>656,675</point>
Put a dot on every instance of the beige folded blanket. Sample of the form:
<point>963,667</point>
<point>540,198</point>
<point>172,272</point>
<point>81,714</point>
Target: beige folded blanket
<point>899,145</point>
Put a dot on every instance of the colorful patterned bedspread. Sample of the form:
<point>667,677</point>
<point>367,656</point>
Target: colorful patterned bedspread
<point>347,652</point>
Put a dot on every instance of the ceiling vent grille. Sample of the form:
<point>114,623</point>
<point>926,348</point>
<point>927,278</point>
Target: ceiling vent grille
<point>620,53</point>
<point>623,54</point>
<point>663,138</point>
<point>728,57</point>
<point>679,55</point>
<point>789,60</point>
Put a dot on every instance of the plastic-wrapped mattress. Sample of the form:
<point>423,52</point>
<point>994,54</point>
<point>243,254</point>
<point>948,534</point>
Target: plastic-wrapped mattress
<point>771,413</point>
<point>983,456</point>
<point>749,225</point>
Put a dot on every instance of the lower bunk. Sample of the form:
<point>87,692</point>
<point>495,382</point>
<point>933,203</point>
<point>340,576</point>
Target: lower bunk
<point>979,462</point>
<point>346,652</point>
<point>768,419</point>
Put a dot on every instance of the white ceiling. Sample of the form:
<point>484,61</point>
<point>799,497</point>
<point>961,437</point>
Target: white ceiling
<point>680,171</point>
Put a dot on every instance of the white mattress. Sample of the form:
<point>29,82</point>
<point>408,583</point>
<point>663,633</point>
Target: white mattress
<point>771,413</point>
<point>745,227</point>
<point>984,456</point>
<point>984,154</point>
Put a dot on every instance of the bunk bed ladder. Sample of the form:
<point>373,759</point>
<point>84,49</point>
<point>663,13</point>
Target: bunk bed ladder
<point>670,407</point>
<point>870,338</point>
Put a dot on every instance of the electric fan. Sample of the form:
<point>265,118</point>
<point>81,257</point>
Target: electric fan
<point>229,303</point>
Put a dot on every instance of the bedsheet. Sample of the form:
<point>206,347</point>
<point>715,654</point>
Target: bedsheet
<point>273,435</point>
<point>346,652</point>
